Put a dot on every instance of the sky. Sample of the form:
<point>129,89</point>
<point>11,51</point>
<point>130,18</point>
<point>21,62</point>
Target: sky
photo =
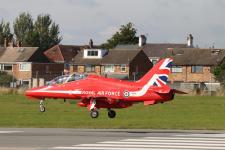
<point>162,21</point>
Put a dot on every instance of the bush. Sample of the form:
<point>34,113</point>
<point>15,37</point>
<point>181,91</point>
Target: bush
<point>5,79</point>
<point>219,73</point>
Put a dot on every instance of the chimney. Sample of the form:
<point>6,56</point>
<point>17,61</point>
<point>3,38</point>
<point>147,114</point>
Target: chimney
<point>190,40</point>
<point>5,43</point>
<point>215,51</point>
<point>91,43</point>
<point>142,40</point>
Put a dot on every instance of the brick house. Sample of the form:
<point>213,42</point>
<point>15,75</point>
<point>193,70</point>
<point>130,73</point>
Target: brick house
<point>193,67</point>
<point>156,51</point>
<point>25,63</point>
<point>120,63</point>
<point>62,53</point>
<point>65,54</point>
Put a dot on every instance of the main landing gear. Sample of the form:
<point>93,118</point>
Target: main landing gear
<point>94,110</point>
<point>42,107</point>
<point>94,113</point>
<point>111,113</point>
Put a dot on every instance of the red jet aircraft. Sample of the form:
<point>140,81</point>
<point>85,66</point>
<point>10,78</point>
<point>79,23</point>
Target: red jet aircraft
<point>95,92</point>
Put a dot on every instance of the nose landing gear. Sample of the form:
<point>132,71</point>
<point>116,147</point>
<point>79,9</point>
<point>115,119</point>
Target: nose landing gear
<point>42,107</point>
<point>93,110</point>
<point>94,113</point>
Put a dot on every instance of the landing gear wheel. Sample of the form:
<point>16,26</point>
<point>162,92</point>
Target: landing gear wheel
<point>42,108</point>
<point>94,113</point>
<point>111,114</point>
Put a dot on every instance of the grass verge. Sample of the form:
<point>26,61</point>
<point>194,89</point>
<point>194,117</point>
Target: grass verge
<point>184,112</point>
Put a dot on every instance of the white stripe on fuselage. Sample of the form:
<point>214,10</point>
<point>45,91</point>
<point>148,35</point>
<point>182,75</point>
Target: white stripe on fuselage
<point>145,87</point>
<point>47,90</point>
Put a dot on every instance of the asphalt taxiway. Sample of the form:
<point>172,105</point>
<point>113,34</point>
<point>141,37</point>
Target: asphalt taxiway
<point>108,139</point>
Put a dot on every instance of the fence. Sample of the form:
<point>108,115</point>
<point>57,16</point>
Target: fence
<point>40,79</point>
<point>37,79</point>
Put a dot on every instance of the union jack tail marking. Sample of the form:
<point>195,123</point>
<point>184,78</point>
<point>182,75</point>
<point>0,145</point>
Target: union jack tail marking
<point>158,75</point>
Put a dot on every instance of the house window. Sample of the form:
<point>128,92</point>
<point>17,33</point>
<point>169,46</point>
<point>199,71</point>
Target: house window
<point>7,67</point>
<point>176,69</point>
<point>24,67</point>
<point>92,53</point>
<point>75,68</point>
<point>24,83</point>
<point>109,68</point>
<point>89,68</point>
<point>66,66</point>
<point>123,68</point>
<point>197,69</point>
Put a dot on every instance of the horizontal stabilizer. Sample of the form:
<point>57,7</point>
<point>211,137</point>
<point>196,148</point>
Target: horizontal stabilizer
<point>162,91</point>
<point>179,92</point>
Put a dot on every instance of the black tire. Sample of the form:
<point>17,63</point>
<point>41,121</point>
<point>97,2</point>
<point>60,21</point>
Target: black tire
<point>111,114</point>
<point>42,108</point>
<point>94,114</point>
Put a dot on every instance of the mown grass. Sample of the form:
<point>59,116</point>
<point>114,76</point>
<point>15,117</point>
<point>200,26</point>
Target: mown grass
<point>185,112</point>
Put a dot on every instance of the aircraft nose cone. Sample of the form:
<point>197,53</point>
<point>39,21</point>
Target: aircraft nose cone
<point>33,91</point>
<point>27,93</point>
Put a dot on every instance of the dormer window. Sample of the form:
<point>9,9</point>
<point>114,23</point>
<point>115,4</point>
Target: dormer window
<point>92,53</point>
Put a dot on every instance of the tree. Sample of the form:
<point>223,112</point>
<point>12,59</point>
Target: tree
<point>5,79</point>
<point>125,35</point>
<point>42,33</point>
<point>23,29</point>
<point>46,32</point>
<point>5,33</point>
<point>219,73</point>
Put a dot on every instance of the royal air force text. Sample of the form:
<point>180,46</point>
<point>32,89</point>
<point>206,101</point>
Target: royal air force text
<point>101,93</point>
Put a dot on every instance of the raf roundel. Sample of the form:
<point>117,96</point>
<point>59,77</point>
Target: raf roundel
<point>126,94</point>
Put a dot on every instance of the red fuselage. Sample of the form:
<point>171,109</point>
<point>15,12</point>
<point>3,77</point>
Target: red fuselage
<point>96,92</point>
<point>100,88</point>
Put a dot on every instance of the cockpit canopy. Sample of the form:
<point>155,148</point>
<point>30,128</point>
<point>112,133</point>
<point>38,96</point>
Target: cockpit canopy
<point>67,78</point>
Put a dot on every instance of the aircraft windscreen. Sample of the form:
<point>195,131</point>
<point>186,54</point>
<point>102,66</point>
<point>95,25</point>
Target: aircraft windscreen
<point>66,78</point>
<point>75,77</point>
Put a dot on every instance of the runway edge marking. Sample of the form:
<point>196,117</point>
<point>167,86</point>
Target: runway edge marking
<point>157,143</point>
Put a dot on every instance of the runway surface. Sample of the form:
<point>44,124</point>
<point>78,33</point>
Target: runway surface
<point>109,139</point>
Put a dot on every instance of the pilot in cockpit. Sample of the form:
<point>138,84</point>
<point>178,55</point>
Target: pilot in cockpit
<point>66,78</point>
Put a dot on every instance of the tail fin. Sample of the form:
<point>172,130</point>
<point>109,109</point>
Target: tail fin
<point>158,75</point>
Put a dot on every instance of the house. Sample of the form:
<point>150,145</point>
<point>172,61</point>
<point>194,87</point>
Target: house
<point>65,54</point>
<point>193,67</point>
<point>156,51</point>
<point>123,63</point>
<point>26,63</point>
<point>62,54</point>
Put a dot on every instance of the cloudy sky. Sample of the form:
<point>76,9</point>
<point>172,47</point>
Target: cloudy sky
<point>162,21</point>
